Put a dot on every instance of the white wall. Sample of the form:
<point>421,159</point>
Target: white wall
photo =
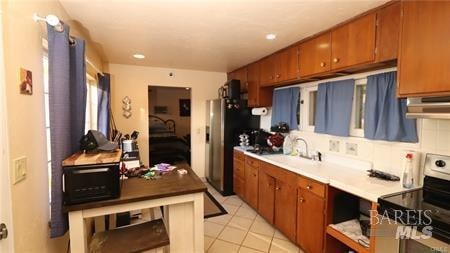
<point>26,117</point>
<point>133,81</point>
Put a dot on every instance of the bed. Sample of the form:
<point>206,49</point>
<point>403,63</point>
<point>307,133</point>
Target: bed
<point>164,144</point>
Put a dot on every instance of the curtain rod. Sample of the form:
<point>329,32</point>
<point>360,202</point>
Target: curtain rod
<point>56,23</point>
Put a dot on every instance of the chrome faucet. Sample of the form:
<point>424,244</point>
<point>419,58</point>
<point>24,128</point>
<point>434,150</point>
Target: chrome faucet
<point>306,147</point>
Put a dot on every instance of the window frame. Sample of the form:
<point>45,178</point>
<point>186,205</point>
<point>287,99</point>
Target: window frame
<point>357,132</point>
<point>91,103</point>
<point>305,107</point>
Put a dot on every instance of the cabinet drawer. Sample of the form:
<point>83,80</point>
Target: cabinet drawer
<point>239,155</point>
<point>312,186</point>
<point>238,168</point>
<point>252,162</point>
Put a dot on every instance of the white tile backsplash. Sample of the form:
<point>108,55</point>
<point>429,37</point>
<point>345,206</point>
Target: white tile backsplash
<point>434,137</point>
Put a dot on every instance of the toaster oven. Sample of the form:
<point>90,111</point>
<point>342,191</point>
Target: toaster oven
<point>91,183</point>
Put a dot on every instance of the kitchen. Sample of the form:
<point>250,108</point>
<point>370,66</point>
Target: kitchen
<point>325,168</point>
<point>306,126</point>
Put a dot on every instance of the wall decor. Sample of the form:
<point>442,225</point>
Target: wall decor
<point>161,109</point>
<point>26,82</point>
<point>126,107</point>
<point>185,107</point>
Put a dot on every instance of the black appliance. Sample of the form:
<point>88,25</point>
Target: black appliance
<point>225,120</point>
<point>231,90</point>
<point>431,203</point>
<point>91,183</point>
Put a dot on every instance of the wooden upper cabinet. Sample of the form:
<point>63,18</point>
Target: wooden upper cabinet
<point>257,96</point>
<point>286,65</point>
<point>267,74</point>
<point>424,59</point>
<point>241,75</point>
<point>388,32</point>
<point>266,196</point>
<point>354,42</point>
<point>286,208</point>
<point>314,55</point>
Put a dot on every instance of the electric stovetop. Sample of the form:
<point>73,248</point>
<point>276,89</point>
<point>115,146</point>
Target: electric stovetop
<point>415,208</point>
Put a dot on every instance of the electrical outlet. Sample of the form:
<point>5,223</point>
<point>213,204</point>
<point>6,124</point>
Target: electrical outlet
<point>351,148</point>
<point>334,146</point>
<point>20,169</point>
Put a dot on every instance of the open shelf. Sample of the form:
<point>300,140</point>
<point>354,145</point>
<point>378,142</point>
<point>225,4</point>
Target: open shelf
<point>133,238</point>
<point>346,240</point>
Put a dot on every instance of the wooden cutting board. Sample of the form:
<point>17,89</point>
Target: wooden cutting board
<point>81,158</point>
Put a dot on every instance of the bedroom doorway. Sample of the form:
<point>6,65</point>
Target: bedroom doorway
<point>169,123</point>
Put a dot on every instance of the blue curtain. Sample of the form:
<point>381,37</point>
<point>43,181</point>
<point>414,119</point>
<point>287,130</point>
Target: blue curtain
<point>67,106</point>
<point>284,108</point>
<point>103,116</point>
<point>334,107</point>
<point>385,114</point>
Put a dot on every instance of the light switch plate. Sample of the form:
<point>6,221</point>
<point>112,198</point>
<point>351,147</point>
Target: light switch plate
<point>351,148</point>
<point>334,145</point>
<point>20,169</point>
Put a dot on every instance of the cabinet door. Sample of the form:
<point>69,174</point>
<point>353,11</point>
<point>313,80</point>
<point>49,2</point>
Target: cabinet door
<point>286,208</point>
<point>424,60</point>
<point>251,186</point>
<point>388,32</point>
<point>267,73</point>
<point>310,221</point>
<point>314,55</point>
<point>239,187</point>
<point>353,43</point>
<point>253,84</point>
<point>286,65</point>
<point>266,196</point>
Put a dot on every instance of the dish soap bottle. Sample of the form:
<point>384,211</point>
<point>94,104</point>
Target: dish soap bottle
<point>408,180</point>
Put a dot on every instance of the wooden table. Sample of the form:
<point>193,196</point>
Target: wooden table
<point>181,195</point>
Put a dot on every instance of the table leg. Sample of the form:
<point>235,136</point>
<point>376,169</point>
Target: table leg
<point>185,223</point>
<point>77,229</point>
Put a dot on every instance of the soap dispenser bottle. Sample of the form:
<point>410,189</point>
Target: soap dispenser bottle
<point>407,178</point>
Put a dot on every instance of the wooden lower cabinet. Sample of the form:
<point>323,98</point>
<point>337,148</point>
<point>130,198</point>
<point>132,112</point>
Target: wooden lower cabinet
<point>310,221</point>
<point>266,196</point>
<point>286,208</point>
<point>251,186</point>
<point>239,186</point>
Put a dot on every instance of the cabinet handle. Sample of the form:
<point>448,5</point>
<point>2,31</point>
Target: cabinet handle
<point>254,175</point>
<point>322,64</point>
<point>271,77</point>
<point>336,60</point>
<point>309,187</point>
<point>302,200</point>
<point>277,188</point>
<point>278,76</point>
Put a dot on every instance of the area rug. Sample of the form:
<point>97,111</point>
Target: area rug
<point>212,206</point>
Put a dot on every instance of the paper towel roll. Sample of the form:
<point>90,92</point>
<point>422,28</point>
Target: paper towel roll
<point>259,111</point>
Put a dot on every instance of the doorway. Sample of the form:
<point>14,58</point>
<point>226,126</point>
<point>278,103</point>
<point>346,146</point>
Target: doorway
<point>169,123</point>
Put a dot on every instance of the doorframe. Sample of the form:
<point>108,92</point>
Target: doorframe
<point>5,185</point>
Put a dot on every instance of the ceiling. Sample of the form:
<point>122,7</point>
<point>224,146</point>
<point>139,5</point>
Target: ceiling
<point>211,35</point>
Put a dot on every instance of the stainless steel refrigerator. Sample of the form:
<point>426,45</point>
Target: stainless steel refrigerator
<point>225,120</point>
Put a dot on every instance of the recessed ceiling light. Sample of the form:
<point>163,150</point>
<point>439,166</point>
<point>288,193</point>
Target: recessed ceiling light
<point>271,36</point>
<point>139,56</point>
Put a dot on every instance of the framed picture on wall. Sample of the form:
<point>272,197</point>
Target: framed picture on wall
<point>26,82</point>
<point>185,107</point>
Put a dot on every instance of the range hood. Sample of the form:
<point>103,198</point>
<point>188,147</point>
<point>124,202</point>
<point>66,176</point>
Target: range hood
<point>429,108</point>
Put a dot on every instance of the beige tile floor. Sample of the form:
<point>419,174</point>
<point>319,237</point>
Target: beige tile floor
<point>242,230</point>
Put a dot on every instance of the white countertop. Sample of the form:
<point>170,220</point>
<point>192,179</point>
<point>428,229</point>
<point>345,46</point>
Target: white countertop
<point>346,178</point>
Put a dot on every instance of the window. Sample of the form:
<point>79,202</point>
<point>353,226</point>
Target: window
<point>47,126</point>
<point>91,104</point>
<point>359,99</point>
<point>309,110</point>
